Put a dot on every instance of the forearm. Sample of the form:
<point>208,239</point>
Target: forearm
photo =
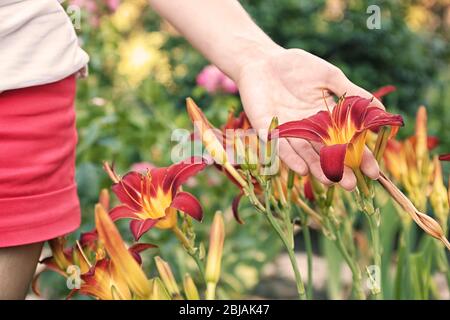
<point>220,29</point>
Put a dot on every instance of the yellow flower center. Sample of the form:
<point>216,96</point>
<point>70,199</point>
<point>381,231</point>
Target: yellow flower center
<point>344,135</point>
<point>155,207</point>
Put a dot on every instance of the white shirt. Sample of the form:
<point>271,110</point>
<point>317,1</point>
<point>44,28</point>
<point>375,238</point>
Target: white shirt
<point>38,44</point>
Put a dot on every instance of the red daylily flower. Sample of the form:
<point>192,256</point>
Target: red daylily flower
<point>152,199</point>
<point>381,92</point>
<point>445,157</point>
<point>342,131</point>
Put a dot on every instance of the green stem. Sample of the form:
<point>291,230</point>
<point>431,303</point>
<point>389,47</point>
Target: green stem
<point>298,278</point>
<point>309,254</point>
<point>361,182</point>
<point>356,271</point>
<point>189,249</point>
<point>375,236</point>
<point>402,278</point>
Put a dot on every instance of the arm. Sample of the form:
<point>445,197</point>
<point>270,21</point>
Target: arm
<point>220,29</point>
<point>272,81</point>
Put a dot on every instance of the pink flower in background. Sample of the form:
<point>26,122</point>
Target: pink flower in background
<point>229,86</point>
<point>88,5</point>
<point>214,80</point>
<point>95,10</point>
<point>142,167</point>
<point>112,4</point>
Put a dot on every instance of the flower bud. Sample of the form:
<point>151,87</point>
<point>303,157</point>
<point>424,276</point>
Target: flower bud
<point>190,288</point>
<point>159,292</point>
<point>210,140</point>
<point>104,199</point>
<point>270,154</point>
<point>421,138</point>
<point>167,277</point>
<point>216,240</point>
<point>438,196</point>
<point>382,139</point>
<point>206,131</point>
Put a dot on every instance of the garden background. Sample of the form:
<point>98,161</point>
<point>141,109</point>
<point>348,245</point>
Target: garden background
<point>141,71</point>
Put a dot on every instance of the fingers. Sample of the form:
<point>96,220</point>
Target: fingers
<point>369,165</point>
<point>291,158</point>
<point>348,181</point>
<point>311,158</point>
<point>341,85</point>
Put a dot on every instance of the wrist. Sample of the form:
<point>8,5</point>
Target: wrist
<point>248,51</point>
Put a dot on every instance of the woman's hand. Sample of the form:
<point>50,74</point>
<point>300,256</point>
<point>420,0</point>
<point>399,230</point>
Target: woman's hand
<point>272,81</point>
<point>294,84</point>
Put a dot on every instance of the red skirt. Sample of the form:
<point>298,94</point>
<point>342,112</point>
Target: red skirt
<point>38,194</point>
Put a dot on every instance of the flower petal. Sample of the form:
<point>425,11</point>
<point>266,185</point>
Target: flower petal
<point>375,118</point>
<point>120,256</point>
<point>88,238</point>
<point>445,157</point>
<point>157,176</point>
<point>189,204</point>
<point>358,111</point>
<point>384,91</point>
<point>96,281</point>
<point>137,248</point>
<point>313,128</point>
<point>179,173</point>
<point>432,142</point>
<point>342,109</point>
<point>332,161</point>
<point>122,212</point>
<point>235,207</point>
<point>139,227</point>
<point>128,190</point>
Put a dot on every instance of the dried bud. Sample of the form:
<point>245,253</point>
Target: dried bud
<point>427,223</point>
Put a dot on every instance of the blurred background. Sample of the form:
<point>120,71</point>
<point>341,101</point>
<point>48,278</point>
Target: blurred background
<point>141,71</point>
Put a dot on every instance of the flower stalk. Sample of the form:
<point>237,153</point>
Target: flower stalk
<point>287,244</point>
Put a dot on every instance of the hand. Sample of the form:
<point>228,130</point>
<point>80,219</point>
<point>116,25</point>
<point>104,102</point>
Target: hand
<point>294,84</point>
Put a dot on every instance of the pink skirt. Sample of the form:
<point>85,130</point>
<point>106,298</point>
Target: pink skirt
<point>38,194</point>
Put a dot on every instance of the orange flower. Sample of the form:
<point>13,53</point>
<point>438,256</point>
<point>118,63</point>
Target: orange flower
<point>342,131</point>
<point>125,270</point>
<point>408,161</point>
<point>104,282</point>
